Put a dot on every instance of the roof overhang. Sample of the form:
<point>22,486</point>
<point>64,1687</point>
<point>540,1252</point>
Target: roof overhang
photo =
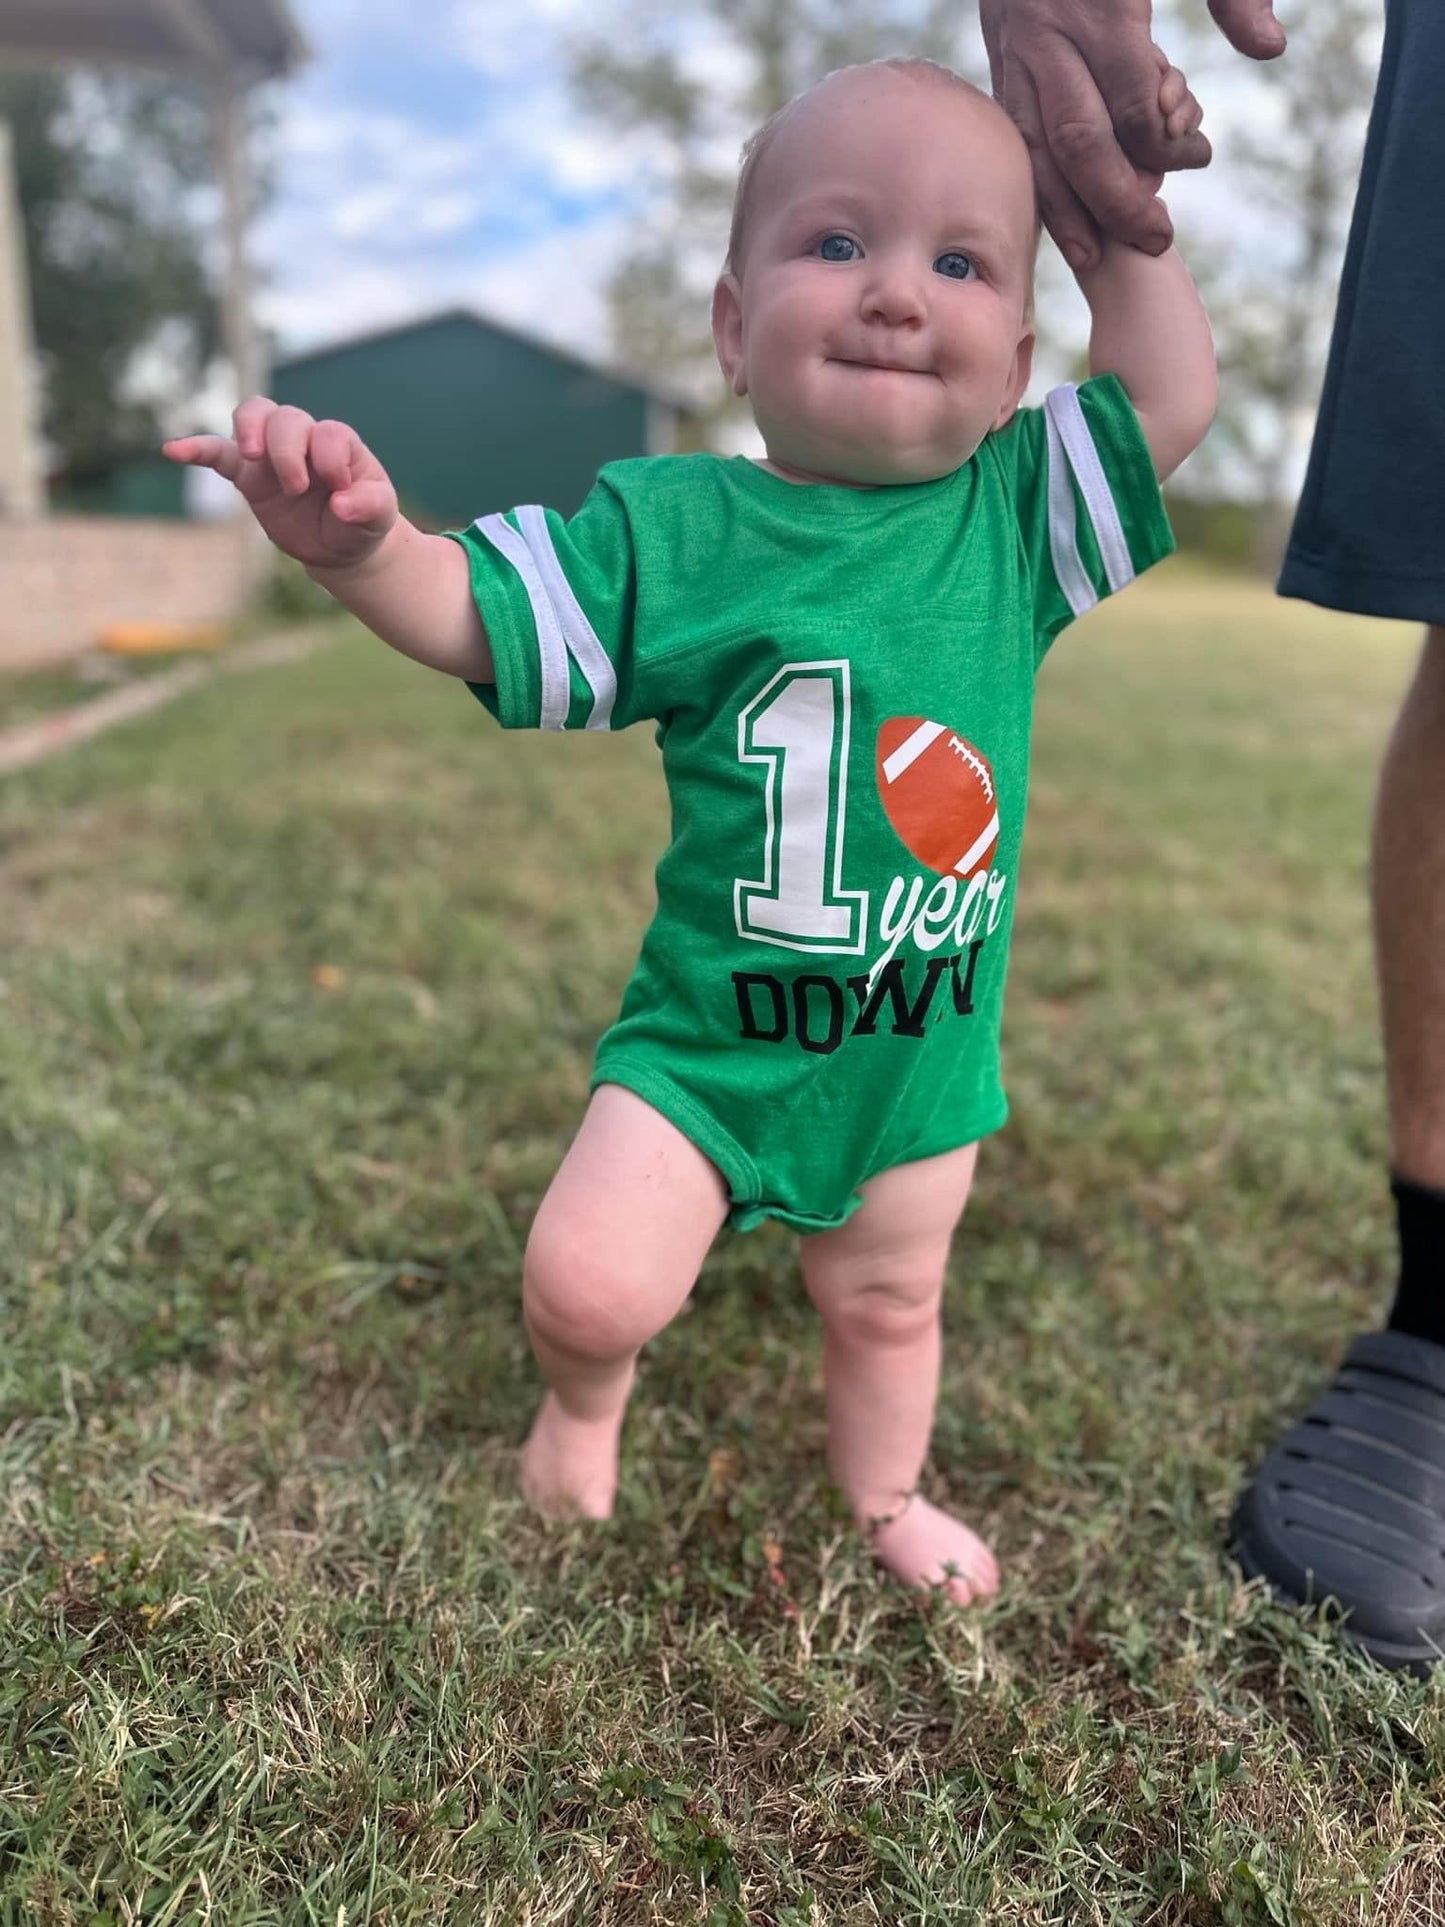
<point>234,40</point>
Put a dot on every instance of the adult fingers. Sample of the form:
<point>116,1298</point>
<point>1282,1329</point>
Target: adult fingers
<point>288,439</point>
<point>205,451</point>
<point>1076,234</point>
<point>992,20</point>
<point>1081,138</point>
<point>1250,27</point>
<point>1060,209</point>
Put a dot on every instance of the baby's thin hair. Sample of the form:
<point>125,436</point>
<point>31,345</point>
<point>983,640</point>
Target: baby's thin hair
<point>758,143</point>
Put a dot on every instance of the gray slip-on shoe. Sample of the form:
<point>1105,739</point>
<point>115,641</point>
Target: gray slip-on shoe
<point>1349,1506</point>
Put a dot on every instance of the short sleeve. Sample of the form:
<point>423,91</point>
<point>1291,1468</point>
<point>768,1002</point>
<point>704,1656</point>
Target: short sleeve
<point>557,599</point>
<point>1090,513</point>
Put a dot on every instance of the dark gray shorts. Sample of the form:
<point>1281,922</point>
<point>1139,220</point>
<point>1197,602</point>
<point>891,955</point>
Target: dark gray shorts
<point>1369,533</point>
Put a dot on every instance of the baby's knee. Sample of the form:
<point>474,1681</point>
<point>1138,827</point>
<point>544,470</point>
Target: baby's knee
<point>890,1305</point>
<point>585,1300</point>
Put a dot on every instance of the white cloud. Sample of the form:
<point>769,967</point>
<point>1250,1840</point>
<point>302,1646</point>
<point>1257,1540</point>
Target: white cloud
<point>500,39</point>
<point>344,297</point>
<point>555,287</point>
<point>551,287</point>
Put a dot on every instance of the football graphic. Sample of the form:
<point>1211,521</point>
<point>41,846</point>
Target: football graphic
<point>938,793</point>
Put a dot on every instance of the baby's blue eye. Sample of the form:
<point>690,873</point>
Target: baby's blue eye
<point>959,267</point>
<point>837,247</point>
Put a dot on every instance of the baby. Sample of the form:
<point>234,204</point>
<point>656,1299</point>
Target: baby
<point>838,645</point>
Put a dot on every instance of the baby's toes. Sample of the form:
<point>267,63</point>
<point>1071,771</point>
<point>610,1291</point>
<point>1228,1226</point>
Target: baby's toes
<point>971,1577</point>
<point>961,1589</point>
<point>930,1550</point>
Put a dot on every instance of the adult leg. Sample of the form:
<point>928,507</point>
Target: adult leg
<point>1409,905</point>
<point>1350,1504</point>
<point>614,1252</point>
<point>877,1282</point>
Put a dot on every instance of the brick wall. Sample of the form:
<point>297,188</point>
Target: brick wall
<point>64,578</point>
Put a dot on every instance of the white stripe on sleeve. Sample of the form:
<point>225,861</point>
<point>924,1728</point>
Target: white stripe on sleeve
<point>580,637</point>
<point>1066,410</point>
<point>1073,577</point>
<point>551,645</point>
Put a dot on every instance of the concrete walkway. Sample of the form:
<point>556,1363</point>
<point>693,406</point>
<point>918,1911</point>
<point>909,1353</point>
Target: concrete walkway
<point>27,743</point>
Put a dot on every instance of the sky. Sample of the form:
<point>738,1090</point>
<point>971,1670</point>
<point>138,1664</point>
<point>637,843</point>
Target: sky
<point>422,169</point>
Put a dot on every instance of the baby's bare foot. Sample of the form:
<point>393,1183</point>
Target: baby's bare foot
<point>930,1549</point>
<point>569,1466</point>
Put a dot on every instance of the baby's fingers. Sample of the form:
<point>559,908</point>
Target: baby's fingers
<point>338,455</point>
<point>288,443</point>
<point>205,451</point>
<point>1182,112</point>
<point>366,504</point>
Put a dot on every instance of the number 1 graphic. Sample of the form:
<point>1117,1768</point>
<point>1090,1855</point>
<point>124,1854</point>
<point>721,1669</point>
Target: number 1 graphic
<point>798,724</point>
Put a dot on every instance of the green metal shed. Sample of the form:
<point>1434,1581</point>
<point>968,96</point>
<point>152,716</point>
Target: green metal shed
<point>469,416</point>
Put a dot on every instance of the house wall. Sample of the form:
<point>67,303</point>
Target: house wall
<point>66,578</point>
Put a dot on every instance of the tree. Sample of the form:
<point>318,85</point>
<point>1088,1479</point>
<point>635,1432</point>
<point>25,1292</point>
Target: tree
<point>689,80</point>
<point>125,313</point>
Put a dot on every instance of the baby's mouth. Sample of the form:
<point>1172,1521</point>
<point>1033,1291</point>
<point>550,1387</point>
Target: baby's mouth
<point>880,365</point>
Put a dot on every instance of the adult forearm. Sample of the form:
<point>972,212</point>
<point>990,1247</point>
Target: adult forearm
<point>1150,329</point>
<point>414,591</point>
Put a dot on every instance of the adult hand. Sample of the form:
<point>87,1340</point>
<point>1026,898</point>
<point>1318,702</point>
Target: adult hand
<point>1250,27</point>
<point>315,487</point>
<point>1102,110</point>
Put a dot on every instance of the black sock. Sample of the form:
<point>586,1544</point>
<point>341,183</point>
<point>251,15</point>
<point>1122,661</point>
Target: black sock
<point>1419,1307</point>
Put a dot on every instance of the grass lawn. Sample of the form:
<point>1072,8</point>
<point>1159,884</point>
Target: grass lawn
<point>298,988</point>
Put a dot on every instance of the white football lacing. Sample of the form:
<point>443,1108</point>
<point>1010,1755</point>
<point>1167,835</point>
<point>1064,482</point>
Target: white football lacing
<point>975,763</point>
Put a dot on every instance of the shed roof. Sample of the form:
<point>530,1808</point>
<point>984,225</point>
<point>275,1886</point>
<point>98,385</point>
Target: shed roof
<point>249,39</point>
<point>626,377</point>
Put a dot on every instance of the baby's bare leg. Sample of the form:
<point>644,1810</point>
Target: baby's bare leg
<point>614,1251</point>
<point>877,1282</point>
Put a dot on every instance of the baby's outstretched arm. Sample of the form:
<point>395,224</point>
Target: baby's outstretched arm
<point>323,497</point>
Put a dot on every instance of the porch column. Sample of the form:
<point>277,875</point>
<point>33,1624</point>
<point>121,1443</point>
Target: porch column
<point>22,487</point>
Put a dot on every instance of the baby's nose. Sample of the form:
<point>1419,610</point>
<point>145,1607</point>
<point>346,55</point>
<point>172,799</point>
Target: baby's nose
<point>895,294</point>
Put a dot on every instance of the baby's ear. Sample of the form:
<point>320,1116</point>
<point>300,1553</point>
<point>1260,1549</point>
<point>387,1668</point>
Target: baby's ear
<point>1018,379</point>
<point>727,331</point>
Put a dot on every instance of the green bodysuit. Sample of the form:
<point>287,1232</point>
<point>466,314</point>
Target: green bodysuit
<point>842,681</point>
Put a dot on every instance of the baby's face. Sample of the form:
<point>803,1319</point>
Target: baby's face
<point>878,322</point>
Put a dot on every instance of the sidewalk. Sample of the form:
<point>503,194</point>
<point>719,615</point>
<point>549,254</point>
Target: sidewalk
<point>28,743</point>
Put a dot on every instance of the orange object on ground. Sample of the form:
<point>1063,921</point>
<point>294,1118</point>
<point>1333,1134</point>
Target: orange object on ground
<point>161,638</point>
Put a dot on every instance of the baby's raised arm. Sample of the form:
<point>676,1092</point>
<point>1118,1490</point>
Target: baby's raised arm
<point>323,497</point>
<point>1150,329</point>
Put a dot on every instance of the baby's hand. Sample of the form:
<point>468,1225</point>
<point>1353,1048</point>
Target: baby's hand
<point>315,487</point>
<point>1181,111</point>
